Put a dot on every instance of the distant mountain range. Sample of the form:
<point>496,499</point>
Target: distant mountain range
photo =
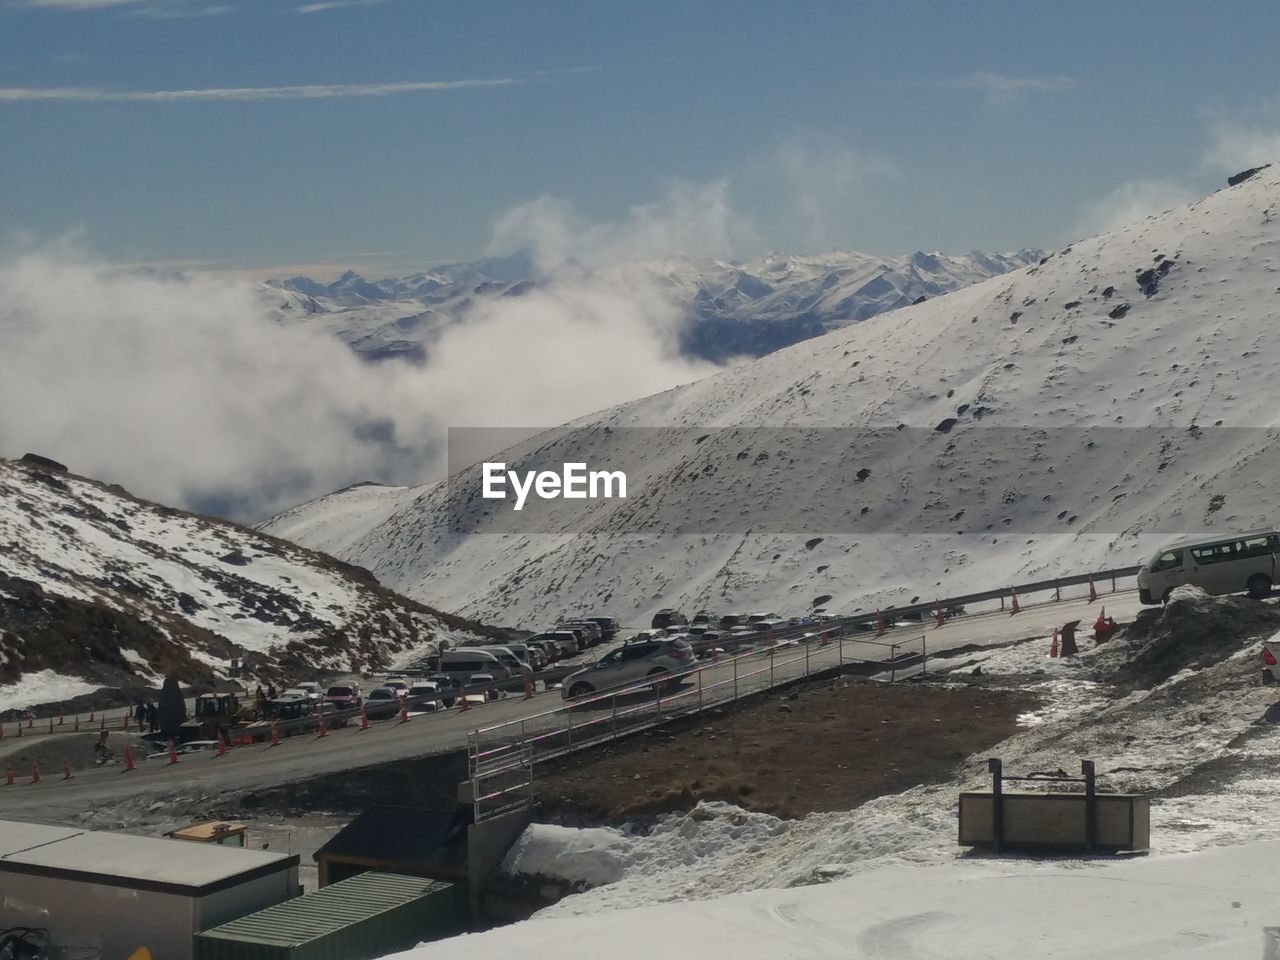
<point>732,309</point>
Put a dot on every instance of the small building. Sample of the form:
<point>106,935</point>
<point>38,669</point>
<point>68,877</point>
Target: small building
<point>412,841</point>
<point>115,892</point>
<point>365,916</point>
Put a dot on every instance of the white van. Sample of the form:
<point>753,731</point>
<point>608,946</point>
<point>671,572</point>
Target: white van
<point>461,664</point>
<point>1234,564</point>
<point>507,657</point>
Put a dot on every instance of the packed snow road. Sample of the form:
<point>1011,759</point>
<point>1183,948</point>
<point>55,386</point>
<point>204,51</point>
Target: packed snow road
<point>347,748</point>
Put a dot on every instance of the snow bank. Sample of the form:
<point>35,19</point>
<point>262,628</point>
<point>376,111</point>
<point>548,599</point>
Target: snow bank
<point>43,686</point>
<point>1212,905</point>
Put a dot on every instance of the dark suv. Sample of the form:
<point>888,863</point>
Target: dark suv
<point>668,618</point>
<point>661,659</point>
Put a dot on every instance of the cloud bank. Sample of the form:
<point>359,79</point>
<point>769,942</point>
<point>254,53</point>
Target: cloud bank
<point>184,390</point>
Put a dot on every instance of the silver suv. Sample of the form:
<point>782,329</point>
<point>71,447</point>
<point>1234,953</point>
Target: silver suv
<point>632,663</point>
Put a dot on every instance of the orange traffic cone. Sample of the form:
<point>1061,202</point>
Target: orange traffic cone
<point>364,719</point>
<point>31,721</point>
<point>128,758</point>
<point>35,773</point>
<point>938,615</point>
<point>173,754</point>
<point>91,716</point>
<point>463,705</point>
<point>62,718</point>
<point>1053,647</point>
<point>222,745</point>
<point>528,688</point>
<point>66,770</point>
<point>321,730</point>
<point>879,623</point>
<point>275,734</point>
<point>404,712</point>
<point>1014,609</point>
<point>9,779</point>
<point>1093,591</point>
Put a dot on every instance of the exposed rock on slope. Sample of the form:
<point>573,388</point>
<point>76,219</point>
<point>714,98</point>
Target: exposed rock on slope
<point>103,589</point>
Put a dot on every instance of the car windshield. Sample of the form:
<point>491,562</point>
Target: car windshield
<point>339,692</point>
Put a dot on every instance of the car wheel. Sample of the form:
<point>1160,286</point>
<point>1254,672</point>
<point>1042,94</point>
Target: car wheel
<point>579,690</point>
<point>1259,586</point>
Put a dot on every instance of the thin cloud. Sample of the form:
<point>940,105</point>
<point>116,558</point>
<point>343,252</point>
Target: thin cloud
<point>1242,139</point>
<point>82,4</point>
<point>242,94</point>
<point>336,5</point>
<point>1001,88</point>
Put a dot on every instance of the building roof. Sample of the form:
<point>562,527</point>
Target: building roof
<point>408,835</point>
<point>143,863</point>
<point>328,910</point>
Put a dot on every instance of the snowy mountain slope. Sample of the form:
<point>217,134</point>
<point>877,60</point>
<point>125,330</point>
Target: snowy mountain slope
<point>731,309</point>
<point>103,589</point>
<point>1061,418</point>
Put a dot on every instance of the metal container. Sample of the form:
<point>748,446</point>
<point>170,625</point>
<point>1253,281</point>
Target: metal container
<point>362,917</point>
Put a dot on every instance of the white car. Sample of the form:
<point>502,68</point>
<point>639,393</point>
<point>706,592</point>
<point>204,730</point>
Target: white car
<point>1270,659</point>
<point>311,690</point>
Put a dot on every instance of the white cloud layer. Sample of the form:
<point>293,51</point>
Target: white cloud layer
<point>185,391</point>
<point>316,91</point>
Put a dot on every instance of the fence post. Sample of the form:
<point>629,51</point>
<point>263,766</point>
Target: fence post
<point>735,679</point>
<point>700,672</point>
<point>1057,592</point>
<point>614,700</point>
<point>893,663</point>
<point>806,661</point>
<point>924,655</point>
<point>771,659</point>
<point>569,716</point>
<point>841,665</point>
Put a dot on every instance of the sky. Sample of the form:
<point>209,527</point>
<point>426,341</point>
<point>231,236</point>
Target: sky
<point>385,135</point>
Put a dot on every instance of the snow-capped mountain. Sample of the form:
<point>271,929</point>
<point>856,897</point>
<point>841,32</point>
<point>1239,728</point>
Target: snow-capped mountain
<point>100,589</point>
<point>730,309</point>
<point>1065,416</point>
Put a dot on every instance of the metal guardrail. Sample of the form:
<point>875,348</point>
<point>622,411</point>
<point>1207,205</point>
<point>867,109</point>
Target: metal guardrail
<point>507,752</point>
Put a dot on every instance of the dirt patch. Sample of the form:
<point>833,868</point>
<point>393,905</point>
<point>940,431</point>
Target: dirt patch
<point>1193,631</point>
<point>824,747</point>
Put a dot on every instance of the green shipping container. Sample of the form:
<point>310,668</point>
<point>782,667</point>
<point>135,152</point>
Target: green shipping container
<point>365,916</point>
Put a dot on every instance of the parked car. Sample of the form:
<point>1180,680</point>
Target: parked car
<point>594,635</point>
<point>489,682</point>
<point>760,617</point>
<point>448,686</point>
<point>702,619</point>
<point>381,703</point>
<point>398,685</point>
<point>1270,654</point>
<point>570,641</point>
<point>313,690</point>
<point>609,627</point>
<point>668,617</point>
<point>632,663</point>
<point>424,695</point>
<point>550,651</point>
<point>463,662</point>
<point>730,620</point>
<point>583,635</point>
<point>343,696</point>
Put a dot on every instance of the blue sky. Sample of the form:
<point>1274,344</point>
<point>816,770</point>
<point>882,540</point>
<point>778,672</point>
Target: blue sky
<point>195,131</point>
